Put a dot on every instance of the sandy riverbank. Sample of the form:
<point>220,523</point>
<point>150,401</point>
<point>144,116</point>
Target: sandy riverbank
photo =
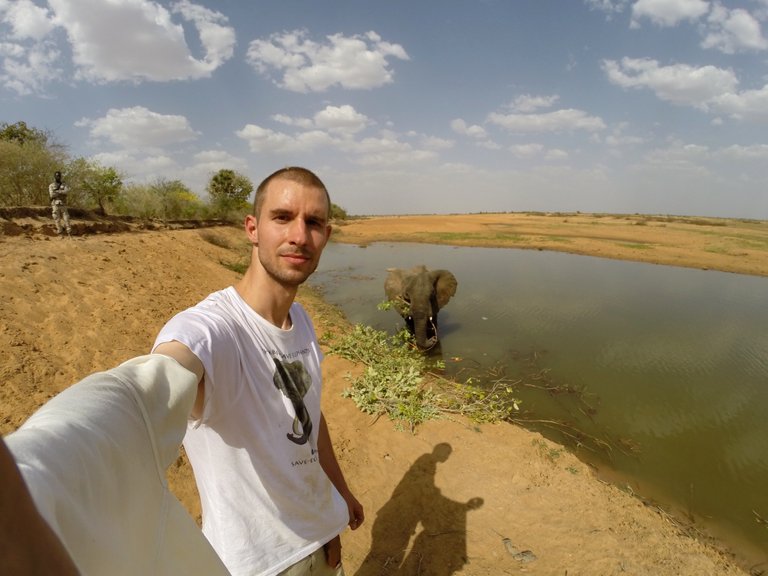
<point>69,308</point>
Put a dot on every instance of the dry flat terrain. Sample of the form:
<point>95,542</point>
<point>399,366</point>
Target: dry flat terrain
<point>710,243</point>
<point>443,499</point>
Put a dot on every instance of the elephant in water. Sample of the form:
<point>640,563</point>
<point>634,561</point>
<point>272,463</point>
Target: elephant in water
<point>418,294</point>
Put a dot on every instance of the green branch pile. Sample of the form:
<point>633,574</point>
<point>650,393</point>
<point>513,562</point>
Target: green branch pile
<point>399,382</point>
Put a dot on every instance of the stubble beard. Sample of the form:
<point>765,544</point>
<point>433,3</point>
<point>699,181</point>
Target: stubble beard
<point>290,278</point>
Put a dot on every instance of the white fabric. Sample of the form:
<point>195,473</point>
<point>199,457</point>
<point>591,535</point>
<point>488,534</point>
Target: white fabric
<point>94,458</point>
<point>267,502</point>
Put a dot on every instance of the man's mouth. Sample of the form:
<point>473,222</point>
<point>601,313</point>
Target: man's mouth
<point>297,257</point>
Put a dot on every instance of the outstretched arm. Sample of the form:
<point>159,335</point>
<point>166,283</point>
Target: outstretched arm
<point>28,545</point>
<point>186,358</point>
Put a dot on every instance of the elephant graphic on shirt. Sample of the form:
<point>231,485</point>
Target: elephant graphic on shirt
<point>293,380</point>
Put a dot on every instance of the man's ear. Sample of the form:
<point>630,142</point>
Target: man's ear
<point>252,229</point>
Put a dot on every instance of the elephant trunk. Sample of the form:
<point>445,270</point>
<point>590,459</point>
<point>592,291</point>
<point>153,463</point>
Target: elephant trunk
<point>425,332</point>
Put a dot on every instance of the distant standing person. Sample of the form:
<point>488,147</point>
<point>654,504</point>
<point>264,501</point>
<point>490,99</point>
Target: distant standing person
<point>57,190</point>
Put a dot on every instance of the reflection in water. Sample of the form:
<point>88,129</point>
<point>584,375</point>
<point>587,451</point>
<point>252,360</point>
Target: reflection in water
<point>674,360</point>
<point>418,508</point>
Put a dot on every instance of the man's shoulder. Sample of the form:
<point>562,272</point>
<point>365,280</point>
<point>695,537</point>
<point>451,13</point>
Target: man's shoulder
<point>216,305</point>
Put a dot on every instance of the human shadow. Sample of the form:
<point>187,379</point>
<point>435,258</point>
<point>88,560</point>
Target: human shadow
<point>418,508</point>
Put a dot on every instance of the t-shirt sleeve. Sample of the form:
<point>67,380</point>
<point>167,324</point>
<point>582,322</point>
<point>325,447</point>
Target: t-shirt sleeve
<point>213,344</point>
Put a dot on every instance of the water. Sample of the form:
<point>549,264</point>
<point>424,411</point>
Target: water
<point>673,361</point>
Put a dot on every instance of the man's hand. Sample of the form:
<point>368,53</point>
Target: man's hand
<point>356,512</point>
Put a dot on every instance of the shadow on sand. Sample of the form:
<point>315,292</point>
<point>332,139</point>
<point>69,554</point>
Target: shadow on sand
<point>419,531</point>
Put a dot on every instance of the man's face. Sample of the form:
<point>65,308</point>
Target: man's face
<point>291,231</point>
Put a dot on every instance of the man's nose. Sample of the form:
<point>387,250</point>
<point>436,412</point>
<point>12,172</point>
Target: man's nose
<point>298,232</point>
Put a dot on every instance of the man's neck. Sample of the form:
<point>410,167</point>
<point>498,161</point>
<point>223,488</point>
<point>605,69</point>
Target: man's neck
<point>268,298</point>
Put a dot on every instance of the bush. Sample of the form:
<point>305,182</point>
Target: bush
<point>397,381</point>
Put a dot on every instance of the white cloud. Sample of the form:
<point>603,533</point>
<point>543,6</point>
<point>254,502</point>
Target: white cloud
<point>303,65</point>
<point>526,150</point>
<point>755,152</point>
<point>138,128</point>
<point>678,83</point>
<point>29,61</point>
<point>619,137</point>
<point>149,45</point>
<point>678,154</point>
<point>387,150</point>
<point>341,119</point>
<point>732,31</point>
<point>217,38</point>
<point>335,119</point>
<point>27,20</point>
<point>749,104</point>
<point>474,131</point>
<point>615,140</point>
<point>610,7</point>
<point>707,88</point>
<point>139,167</point>
<point>564,120</point>
<point>337,129</point>
<point>305,123</point>
<point>556,155</point>
<point>668,12</point>
<point>208,162</point>
<point>527,103</point>
<point>535,150</point>
<point>262,139</point>
<point>435,143</point>
<point>28,70</point>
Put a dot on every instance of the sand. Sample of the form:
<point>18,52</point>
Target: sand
<point>443,499</point>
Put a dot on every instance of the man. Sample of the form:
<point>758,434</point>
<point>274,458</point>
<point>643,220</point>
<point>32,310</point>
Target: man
<point>274,498</point>
<point>57,191</point>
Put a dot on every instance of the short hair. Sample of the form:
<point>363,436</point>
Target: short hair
<point>294,174</point>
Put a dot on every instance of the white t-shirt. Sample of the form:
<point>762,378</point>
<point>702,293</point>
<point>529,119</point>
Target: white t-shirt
<point>267,503</point>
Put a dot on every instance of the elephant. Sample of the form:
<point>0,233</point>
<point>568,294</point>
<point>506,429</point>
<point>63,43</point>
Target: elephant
<point>417,295</point>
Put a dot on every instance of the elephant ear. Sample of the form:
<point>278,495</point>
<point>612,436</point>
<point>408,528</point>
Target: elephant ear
<point>394,288</point>
<point>445,286</point>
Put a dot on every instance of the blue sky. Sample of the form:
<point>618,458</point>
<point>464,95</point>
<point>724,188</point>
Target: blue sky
<point>622,106</point>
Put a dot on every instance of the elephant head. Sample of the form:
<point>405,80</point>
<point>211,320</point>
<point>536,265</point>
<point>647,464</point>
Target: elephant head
<point>418,294</point>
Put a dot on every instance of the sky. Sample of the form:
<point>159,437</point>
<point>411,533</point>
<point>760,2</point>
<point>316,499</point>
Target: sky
<point>411,107</point>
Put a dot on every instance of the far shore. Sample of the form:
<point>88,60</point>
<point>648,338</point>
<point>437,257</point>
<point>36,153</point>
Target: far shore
<point>725,244</point>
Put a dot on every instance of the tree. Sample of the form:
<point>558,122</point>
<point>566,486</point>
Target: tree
<point>21,134</point>
<point>25,172</point>
<point>176,199</point>
<point>337,212</point>
<point>229,191</point>
<point>94,184</point>
<point>28,159</point>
